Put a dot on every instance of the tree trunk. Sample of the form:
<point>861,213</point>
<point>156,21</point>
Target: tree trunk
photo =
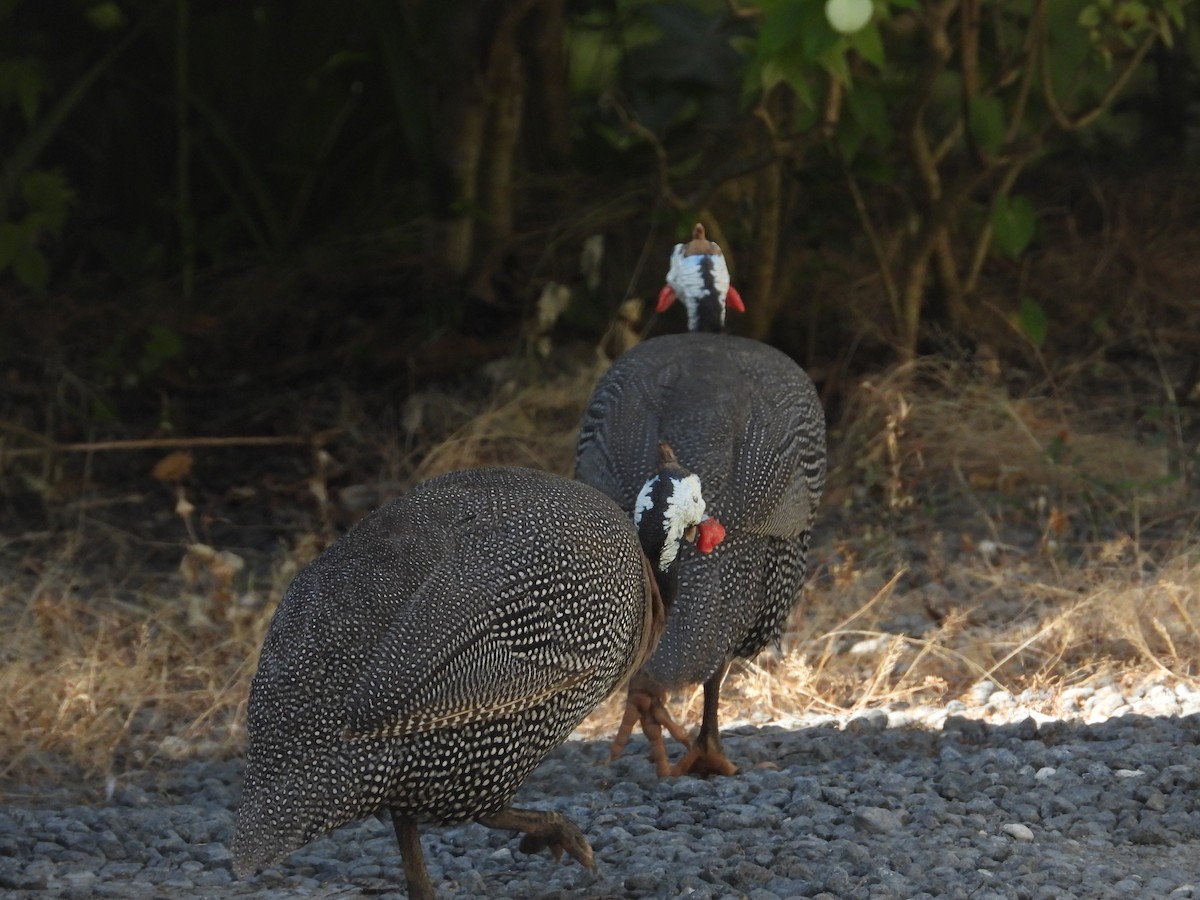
<point>763,302</point>
<point>547,143</point>
<point>506,101</point>
<point>911,301</point>
<point>471,59</point>
<point>950,281</point>
<point>451,234</point>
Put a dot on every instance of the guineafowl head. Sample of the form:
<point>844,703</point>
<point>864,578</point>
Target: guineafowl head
<point>699,278</point>
<point>668,511</point>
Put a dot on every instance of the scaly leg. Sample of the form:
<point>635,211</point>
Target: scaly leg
<point>419,886</point>
<point>544,829</point>
<point>705,756</point>
<point>647,706</point>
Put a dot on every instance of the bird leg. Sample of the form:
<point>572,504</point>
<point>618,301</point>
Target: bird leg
<point>647,706</point>
<point>705,756</point>
<point>544,829</point>
<point>419,886</point>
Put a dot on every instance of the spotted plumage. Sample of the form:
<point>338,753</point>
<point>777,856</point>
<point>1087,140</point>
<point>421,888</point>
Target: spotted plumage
<point>746,419</point>
<point>431,658</point>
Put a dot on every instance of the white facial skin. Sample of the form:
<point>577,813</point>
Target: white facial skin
<point>685,509</point>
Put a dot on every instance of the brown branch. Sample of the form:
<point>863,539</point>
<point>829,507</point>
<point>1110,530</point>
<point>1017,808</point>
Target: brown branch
<point>1033,37</point>
<point>778,149</point>
<point>915,261</point>
<point>969,51</point>
<point>630,122</point>
<point>728,171</point>
<point>738,12</point>
<point>947,272</point>
<point>765,252</point>
<point>882,258</point>
<point>940,51</point>
<point>983,242</point>
<point>922,248</point>
<point>1084,119</point>
<point>949,139</point>
<point>46,445</point>
<point>942,211</point>
<point>831,113</point>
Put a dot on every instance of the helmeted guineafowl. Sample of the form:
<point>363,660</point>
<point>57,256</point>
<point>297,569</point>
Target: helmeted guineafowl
<point>745,418</point>
<point>430,659</point>
<point>699,278</point>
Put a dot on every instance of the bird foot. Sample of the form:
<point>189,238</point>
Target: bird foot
<point>544,830</point>
<point>647,708</point>
<point>703,761</point>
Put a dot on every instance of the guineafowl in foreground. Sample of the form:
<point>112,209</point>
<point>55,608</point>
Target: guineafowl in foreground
<point>746,419</point>
<point>431,658</point>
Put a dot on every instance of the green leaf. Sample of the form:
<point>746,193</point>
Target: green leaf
<point>30,267</point>
<point>834,61</point>
<point>163,345</point>
<point>48,195</point>
<point>770,73</point>
<point>1032,320</point>
<point>21,80</point>
<point>18,250</point>
<point>799,83</point>
<point>1175,11</point>
<point>781,26</point>
<point>869,110</point>
<point>106,16</point>
<point>849,138</point>
<point>11,236</point>
<point>869,45</point>
<point>1165,32</point>
<point>103,411</point>
<point>985,118</point>
<point>1013,223</point>
<point>1131,16</point>
<point>817,36</point>
<point>1070,47</point>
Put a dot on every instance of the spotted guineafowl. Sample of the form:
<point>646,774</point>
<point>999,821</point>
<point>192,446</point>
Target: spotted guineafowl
<point>699,277</point>
<point>746,419</point>
<point>431,658</point>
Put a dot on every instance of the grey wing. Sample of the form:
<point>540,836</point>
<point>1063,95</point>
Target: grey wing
<point>781,457</point>
<point>506,623</point>
<point>466,649</point>
<point>619,434</point>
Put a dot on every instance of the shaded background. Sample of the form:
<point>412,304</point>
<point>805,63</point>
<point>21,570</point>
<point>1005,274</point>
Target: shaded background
<point>207,209</point>
<point>263,265</point>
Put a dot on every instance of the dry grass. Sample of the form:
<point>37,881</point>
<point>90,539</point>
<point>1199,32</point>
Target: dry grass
<point>921,584</point>
<point>105,686</point>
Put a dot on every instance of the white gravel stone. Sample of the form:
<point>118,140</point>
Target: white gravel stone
<point>982,690</point>
<point>1018,831</point>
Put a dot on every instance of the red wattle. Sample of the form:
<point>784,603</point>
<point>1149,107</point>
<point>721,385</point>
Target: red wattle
<point>734,299</point>
<point>712,533</point>
<point>665,298</point>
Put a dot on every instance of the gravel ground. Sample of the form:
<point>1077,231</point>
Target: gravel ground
<point>984,799</point>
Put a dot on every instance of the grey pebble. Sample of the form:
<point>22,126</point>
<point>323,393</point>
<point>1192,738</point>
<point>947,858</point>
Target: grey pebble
<point>877,806</point>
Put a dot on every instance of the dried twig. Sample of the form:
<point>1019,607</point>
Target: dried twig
<point>46,445</point>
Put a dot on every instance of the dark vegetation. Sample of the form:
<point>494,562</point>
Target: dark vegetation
<point>262,264</point>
